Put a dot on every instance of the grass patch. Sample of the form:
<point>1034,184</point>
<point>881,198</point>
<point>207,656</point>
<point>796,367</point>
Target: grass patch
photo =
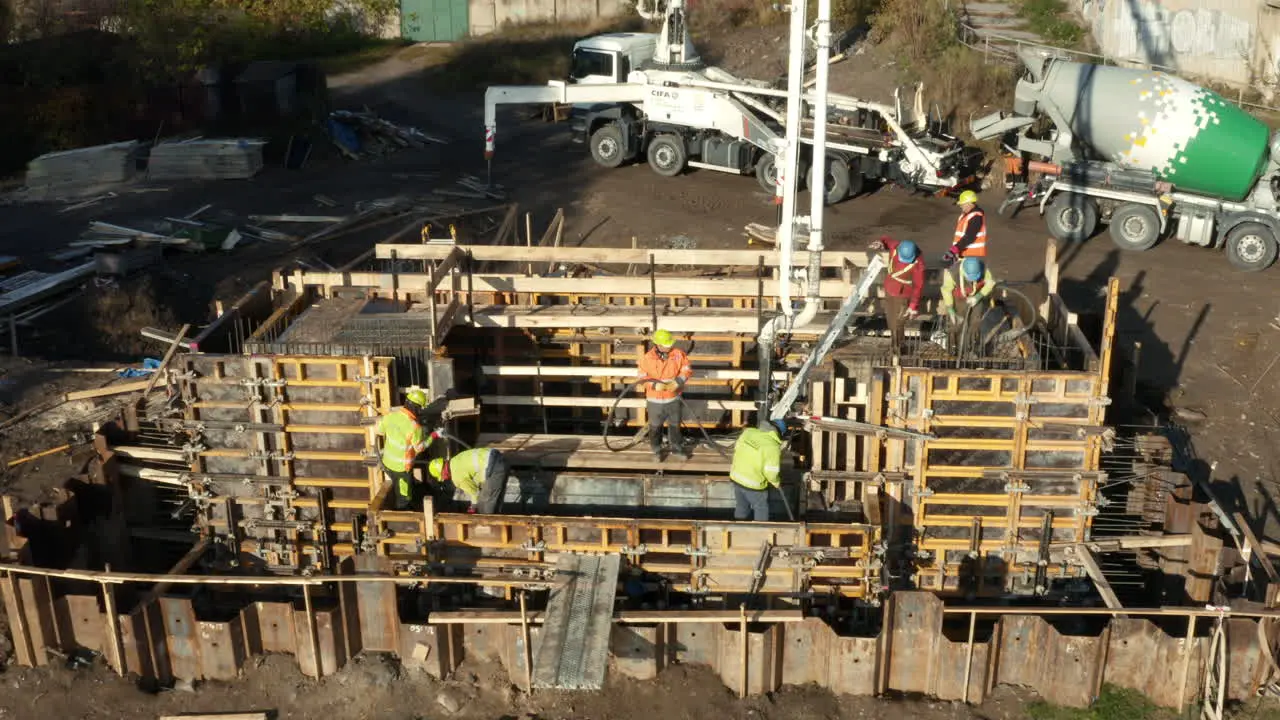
<point>1113,703</point>
<point>375,52</point>
<point>1052,21</point>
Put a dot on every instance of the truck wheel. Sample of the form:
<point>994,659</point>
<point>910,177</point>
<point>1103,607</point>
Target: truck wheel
<point>1135,227</point>
<point>767,173</point>
<point>1072,217</point>
<point>1251,247</point>
<point>667,156</point>
<point>837,181</point>
<point>607,146</point>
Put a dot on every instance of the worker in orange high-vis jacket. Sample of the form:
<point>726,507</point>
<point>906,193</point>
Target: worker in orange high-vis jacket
<point>970,239</point>
<point>664,370</point>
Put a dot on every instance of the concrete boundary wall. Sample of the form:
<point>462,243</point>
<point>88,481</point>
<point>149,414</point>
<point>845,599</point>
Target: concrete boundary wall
<point>486,16</point>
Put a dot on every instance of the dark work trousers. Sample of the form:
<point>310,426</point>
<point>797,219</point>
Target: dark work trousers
<point>665,413</point>
<point>750,504</point>
<point>494,486</point>
<point>895,310</point>
<point>402,501</point>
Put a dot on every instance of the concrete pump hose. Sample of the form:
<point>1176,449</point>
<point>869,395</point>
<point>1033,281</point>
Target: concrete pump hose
<point>608,422</point>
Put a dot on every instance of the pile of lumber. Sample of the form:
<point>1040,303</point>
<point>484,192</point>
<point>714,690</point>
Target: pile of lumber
<point>83,168</point>
<point>364,133</point>
<point>201,159</point>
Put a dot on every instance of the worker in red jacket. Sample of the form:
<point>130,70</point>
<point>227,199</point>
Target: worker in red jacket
<point>903,286</point>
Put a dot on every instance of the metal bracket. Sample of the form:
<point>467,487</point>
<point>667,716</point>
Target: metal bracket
<point>285,456</point>
<point>1015,487</point>
<point>636,550</point>
<point>540,546</point>
<point>692,551</point>
<point>920,492</point>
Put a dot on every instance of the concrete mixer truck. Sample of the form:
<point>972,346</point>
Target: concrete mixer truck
<point>1146,153</point>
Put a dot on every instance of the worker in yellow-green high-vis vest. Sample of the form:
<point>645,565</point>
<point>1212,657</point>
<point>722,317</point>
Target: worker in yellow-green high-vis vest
<point>481,473</point>
<point>757,466</point>
<point>403,440</point>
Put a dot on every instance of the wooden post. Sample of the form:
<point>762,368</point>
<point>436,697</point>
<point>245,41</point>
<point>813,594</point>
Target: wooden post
<point>528,239</point>
<point>968,662</point>
<point>742,638</point>
<point>115,652</point>
<point>528,650</point>
<point>312,633</point>
<point>164,362</point>
<point>1186,660</point>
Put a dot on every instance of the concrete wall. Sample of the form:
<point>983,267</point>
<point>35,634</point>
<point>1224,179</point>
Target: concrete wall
<point>1233,41</point>
<point>489,15</point>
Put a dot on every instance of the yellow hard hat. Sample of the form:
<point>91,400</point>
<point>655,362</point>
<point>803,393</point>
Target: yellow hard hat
<point>435,467</point>
<point>968,196</point>
<point>662,338</point>
<point>416,396</point>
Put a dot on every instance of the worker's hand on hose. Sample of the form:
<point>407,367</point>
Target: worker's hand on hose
<point>667,385</point>
<point>951,255</point>
<point>911,313</point>
<point>971,301</point>
<point>437,433</point>
<point>951,314</point>
<point>471,509</point>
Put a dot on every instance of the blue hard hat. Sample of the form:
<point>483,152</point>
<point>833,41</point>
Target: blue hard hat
<point>780,426</point>
<point>907,251</point>
<point>972,268</point>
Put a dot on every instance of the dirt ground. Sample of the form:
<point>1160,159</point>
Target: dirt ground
<point>1207,345</point>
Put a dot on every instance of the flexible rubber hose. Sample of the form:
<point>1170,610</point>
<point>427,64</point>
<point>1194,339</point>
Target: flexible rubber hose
<point>608,423</point>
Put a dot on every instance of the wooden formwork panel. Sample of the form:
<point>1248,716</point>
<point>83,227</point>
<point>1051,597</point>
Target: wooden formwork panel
<point>288,445</point>
<point>1013,455</point>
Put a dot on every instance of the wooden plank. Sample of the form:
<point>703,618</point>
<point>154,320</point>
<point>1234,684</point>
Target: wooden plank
<point>109,390</point>
<point>218,716</point>
<point>1090,564</point>
<point>552,371</point>
<point>1255,547</point>
<point>605,402</point>
<point>632,617</point>
<point>683,320</point>
<point>620,256</point>
<point>164,362</point>
<point>33,292</point>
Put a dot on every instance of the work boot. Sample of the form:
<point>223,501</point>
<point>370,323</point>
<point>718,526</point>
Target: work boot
<point>686,451</point>
<point>657,454</point>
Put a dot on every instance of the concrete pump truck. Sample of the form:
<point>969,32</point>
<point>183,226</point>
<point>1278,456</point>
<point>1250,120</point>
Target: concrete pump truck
<point>650,96</point>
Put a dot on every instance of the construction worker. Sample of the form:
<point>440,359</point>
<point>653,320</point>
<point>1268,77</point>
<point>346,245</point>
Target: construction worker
<point>757,462</point>
<point>667,369</point>
<point>481,473</point>
<point>903,286</point>
<point>971,230</point>
<point>403,441</point>
<point>965,286</point>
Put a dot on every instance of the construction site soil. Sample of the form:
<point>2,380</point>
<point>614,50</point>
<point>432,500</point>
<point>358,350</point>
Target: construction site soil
<point>1207,337</point>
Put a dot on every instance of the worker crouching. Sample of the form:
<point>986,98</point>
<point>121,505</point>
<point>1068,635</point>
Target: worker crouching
<point>480,473</point>
<point>964,288</point>
<point>665,369</point>
<point>757,466</point>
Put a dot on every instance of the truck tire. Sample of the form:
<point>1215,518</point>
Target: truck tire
<point>767,173</point>
<point>667,156</point>
<point>608,147</point>
<point>837,183</point>
<point>1251,247</point>
<point>1072,217</point>
<point>1135,227</point>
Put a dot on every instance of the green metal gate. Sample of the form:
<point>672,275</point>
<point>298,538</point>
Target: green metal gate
<point>433,20</point>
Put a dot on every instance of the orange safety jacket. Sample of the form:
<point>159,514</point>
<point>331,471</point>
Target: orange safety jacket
<point>978,246</point>
<point>675,368</point>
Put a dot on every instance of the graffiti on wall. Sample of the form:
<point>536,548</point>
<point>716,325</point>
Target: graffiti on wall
<point>1144,30</point>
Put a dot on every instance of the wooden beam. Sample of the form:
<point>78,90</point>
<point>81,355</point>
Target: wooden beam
<point>164,362</point>
<point>631,617</point>
<point>619,256</point>
<point>218,716</point>
<point>117,389</point>
<point>1090,564</point>
<point>1255,547</point>
<point>560,371</point>
<point>1130,542</point>
<point>681,320</point>
<point>604,402</point>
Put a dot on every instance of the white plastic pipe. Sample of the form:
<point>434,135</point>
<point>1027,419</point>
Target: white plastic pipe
<point>788,174</point>
<point>818,188</point>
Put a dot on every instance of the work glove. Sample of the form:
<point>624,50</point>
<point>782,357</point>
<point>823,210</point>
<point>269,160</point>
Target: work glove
<point>668,385</point>
<point>437,433</point>
<point>971,301</point>
<point>877,245</point>
<point>951,255</point>
<point>911,313</point>
<point>951,314</point>
<point>471,509</point>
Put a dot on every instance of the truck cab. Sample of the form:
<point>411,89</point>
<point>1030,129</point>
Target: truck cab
<point>610,58</point>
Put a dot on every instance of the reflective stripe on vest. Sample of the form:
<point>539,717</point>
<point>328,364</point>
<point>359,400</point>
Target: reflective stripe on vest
<point>979,246</point>
<point>399,448</point>
<point>903,275</point>
<point>965,288</point>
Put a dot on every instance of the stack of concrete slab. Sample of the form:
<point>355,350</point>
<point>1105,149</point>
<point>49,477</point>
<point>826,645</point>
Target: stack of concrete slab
<point>201,159</point>
<point>83,169</point>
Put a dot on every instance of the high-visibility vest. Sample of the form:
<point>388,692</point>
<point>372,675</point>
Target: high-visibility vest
<point>903,273</point>
<point>403,439</point>
<point>757,459</point>
<point>676,365</point>
<point>979,246</point>
<point>467,470</point>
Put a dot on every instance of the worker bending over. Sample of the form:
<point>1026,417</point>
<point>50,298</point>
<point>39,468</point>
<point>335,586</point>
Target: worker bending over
<point>403,440</point>
<point>481,473</point>
<point>667,369</point>
<point>903,286</point>
<point>757,463</point>
<point>965,287</point>
<point>970,238</point>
